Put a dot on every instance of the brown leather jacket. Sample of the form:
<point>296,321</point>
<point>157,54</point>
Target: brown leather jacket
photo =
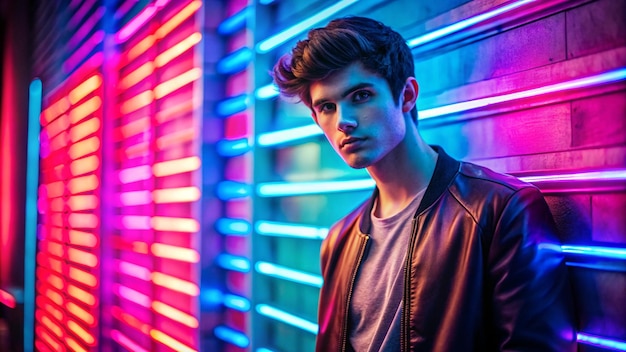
<point>483,270</point>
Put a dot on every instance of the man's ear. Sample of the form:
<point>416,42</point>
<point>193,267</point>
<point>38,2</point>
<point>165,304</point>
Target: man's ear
<point>409,94</point>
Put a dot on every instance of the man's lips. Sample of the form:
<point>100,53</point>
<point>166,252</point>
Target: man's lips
<point>349,140</point>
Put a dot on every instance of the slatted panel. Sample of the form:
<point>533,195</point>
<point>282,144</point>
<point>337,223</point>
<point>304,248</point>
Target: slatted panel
<point>530,88</point>
<point>155,225</point>
<point>68,268</point>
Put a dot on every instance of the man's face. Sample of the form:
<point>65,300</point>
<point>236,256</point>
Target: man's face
<point>358,115</point>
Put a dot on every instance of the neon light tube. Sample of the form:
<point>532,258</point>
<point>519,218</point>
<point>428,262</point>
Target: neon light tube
<point>234,62</point>
<point>132,128</point>
<point>85,109</point>
<point>232,105</point>
<point>135,198</point>
<point>137,102</point>
<point>30,214</point>
<point>136,76</point>
<point>266,92</point>
<point>81,295</point>
<point>283,136</point>
<point>81,257</point>
<point>82,148</point>
<point>48,339</point>
<point>603,78</point>
<point>81,314</point>
<point>282,272</point>
<point>175,314</point>
<point>130,320</point>
<point>456,27</point>
<point>176,195</point>
<point>49,323</point>
<point>231,148</point>
<point>269,228</point>
<point>237,227</point>
<point>177,82</point>
<point>607,175</point>
<point>134,174</point>
<point>234,263</point>
<point>137,22</point>
<point>82,220</point>
<point>235,22</point>
<point>81,332</point>
<point>227,190</point>
<point>83,277</point>
<point>125,342</point>
<point>295,30</point>
<point>133,295</point>
<point>178,18</point>
<point>134,222</point>
<point>182,254</point>
<point>85,165</point>
<point>236,302</point>
<point>55,109</point>
<point>175,284</point>
<point>177,166</point>
<point>283,189</point>
<point>75,346</point>
<point>175,139</point>
<point>175,111</point>
<point>163,223</point>
<point>83,184</point>
<point>177,49</point>
<point>170,342</point>
<point>598,341</point>
<point>138,49</point>
<point>81,238</point>
<point>595,251</point>
<point>263,349</point>
<point>134,270</point>
<point>287,318</point>
<point>85,88</point>
<point>7,299</point>
<point>81,54</point>
<point>293,134</point>
<point>231,336</point>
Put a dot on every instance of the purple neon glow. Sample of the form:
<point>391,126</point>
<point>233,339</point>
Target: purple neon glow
<point>134,270</point>
<point>81,53</point>
<point>137,22</point>
<point>133,295</point>
<point>81,13</point>
<point>135,198</point>
<point>86,28</point>
<point>140,20</point>
<point>134,222</point>
<point>603,78</point>
<point>134,174</point>
<point>608,175</point>
<point>126,342</point>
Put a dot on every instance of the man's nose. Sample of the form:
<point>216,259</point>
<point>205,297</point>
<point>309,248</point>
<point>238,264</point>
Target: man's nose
<point>346,119</point>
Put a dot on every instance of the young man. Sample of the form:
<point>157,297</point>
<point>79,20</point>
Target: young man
<point>445,255</point>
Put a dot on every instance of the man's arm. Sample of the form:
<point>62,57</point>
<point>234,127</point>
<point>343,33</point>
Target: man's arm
<point>531,303</point>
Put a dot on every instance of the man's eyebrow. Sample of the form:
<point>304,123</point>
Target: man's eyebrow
<point>345,93</point>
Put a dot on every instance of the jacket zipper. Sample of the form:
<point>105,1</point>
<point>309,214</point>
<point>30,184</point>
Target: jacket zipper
<point>406,299</point>
<point>344,339</point>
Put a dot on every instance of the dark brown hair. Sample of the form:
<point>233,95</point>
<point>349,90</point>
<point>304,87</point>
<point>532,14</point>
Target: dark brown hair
<point>342,42</point>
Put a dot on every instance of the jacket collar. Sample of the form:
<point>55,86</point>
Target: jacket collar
<point>445,170</point>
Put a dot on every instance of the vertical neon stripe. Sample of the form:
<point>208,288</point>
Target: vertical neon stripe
<point>30,228</point>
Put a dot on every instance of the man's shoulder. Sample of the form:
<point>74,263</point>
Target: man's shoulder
<point>482,176</point>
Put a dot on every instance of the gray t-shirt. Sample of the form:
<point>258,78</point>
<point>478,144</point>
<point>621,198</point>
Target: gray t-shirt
<point>376,305</point>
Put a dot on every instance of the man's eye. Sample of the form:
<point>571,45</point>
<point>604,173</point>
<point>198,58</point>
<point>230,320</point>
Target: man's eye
<point>361,95</point>
<point>327,107</point>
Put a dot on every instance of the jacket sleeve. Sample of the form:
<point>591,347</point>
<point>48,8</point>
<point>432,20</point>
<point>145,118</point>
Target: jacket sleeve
<point>531,306</point>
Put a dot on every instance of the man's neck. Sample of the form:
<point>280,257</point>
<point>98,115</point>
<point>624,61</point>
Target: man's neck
<point>401,175</point>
